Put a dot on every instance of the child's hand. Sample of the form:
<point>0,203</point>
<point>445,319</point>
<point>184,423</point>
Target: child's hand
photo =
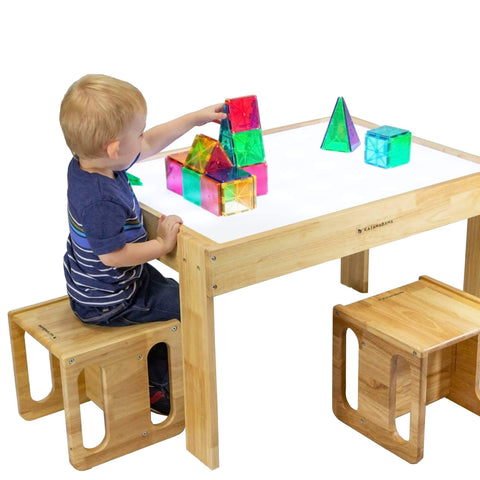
<point>167,230</point>
<point>209,114</point>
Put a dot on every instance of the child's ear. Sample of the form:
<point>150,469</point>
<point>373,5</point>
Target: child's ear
<point>112,149</point>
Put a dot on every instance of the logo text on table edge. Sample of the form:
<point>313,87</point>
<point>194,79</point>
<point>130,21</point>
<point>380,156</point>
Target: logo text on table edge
<point>374,226</point>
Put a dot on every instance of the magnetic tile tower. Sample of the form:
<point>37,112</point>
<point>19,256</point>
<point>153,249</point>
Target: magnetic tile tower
<point>223,176</point>
<point>241,137</point>
<point>341,135</point>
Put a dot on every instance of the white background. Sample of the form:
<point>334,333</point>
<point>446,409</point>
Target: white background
<point>410,64</point>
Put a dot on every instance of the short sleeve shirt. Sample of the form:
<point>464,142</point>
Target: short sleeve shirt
<point>103,215</point>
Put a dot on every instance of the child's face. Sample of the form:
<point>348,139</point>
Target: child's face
<point>130,143</point>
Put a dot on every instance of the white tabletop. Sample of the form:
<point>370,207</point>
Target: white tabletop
<point>304,182</point>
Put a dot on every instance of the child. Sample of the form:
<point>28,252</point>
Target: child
<point>109,281</point>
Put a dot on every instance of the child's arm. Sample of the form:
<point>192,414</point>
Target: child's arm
<point>159,137</point>
<point>137,253</point>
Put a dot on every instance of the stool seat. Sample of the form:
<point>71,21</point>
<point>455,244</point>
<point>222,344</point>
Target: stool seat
<point>423,316</point>
<point>417,344</point>
<point>107,365</point>
<point>54,325</point>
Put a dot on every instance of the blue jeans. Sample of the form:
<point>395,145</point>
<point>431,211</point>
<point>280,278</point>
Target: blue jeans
<point>157,299</point>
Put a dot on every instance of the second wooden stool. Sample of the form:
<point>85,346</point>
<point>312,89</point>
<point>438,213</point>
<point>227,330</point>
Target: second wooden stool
<point>417,344</point>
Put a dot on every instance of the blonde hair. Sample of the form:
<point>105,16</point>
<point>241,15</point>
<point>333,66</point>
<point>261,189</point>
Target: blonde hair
<point>95,110</point>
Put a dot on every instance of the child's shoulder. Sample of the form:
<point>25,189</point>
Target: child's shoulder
<point>88,188</point>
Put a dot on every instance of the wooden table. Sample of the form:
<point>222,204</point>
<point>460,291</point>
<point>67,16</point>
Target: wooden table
<point>320,206</point>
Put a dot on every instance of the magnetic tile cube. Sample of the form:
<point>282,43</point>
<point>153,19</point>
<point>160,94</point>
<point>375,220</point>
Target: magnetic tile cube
<point>243,113</point>
<point>261,176</point>
<point>387,146</point>
<point>228,191</point>
<point>238,196</point>
<point>207,154</point>
<point>248,147</point>
<point>341,135</point>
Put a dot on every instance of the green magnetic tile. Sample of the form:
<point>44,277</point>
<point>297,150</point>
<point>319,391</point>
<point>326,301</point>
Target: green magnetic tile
<point>191,186</point>
<point>228,191</point>
<point>340,135</point>
<point>336,137</point>
<point>248,147</point>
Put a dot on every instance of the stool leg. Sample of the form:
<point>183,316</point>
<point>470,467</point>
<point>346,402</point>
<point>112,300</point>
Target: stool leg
<point>29,408</point>
<point>340,405</point>
<point>71,398</point>
<point>124,380</point>
<point>376,413</point>
<point>412,451</point>
<point>464,381</point>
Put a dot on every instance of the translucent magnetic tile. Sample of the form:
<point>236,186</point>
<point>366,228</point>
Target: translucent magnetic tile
<point>379,160</point>
<point>228,174</point>
<point>210,194</point>
<point>227,143</point>
<point>376,145</point>
<point>376,151</point>
<point>353,138</point>
<point>400,149</point>
<point>386,131</point>
<point>199,154</point>
<point>243,113</point>
<point>336,136</point>
<point>401,141</point>
<point>191,186</point>
<point>238,196</point>
<point>173,171</point>
<point>179,157</point>
<point>248,147</point>
<point>261,176</point>
<point>218,159</point>
<point>341,135</point>
<point>225,122</point>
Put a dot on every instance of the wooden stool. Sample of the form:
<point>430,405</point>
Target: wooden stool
<point>105,364</point>
<point>417,344</point>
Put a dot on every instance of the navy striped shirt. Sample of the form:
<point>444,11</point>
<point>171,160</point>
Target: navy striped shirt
<point>103,215</point>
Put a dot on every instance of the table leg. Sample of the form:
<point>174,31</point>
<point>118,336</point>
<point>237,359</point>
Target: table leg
<point>201,415</point>
<point>472,257</point>
<point>354,271</point>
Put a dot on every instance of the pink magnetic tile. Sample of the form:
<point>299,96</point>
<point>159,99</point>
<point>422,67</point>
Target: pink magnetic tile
<point>260,172</point>
<point>173,170</point>
<point>210,195</point>
<point>179,157</point>
<point>243,113</point>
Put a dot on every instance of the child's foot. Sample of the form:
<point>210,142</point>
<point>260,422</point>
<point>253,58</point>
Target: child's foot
<point>159,400</point>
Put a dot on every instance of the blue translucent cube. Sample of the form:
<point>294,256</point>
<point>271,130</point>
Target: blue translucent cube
<point>387,147</point>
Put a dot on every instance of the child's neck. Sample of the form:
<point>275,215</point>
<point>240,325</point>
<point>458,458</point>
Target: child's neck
<point>93,165</point>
